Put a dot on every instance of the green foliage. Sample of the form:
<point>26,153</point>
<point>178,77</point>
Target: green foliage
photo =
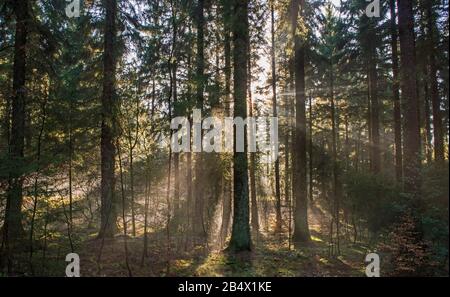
<point>435,215</point>
<point>408,253</point>
<point>373,198</point>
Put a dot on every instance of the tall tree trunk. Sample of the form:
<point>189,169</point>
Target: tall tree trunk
<point>347,141</point>
<point>36,179</point>
<point>288,137</point>
<point>375,121</point>
<point>169,212</point>
<point>301,229</point>
<point>279,223</point>
<point>108,149</point>
<point>424,91</point>
<point>226,212</point>
<point>200,80</point>
<point>124,219</point>
<point>227,52</point>
<point>334,137</point>
<point>434,92</point>
<point>227,197</point>
<point>132,200</point>
<point>176,156</point>
<point>13,229</point>
<point>253,197</point>
<point>412,158</point>
<point>287,166</point>
<point>427,115</point>
<point>396,94</point>
<point>370,50</point>
<point>369,124</point>
<point>189,175</point>
<point>147,194</point>
<point>132,143</point>
<point>240,235</point>
<point>70,165</point>
<point>311,164</point>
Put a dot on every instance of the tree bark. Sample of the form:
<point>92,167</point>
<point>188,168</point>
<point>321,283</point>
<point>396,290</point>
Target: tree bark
<point>428,147</point>
<point>13,229</point>
<point>439,153</point>
<point>279,223</point>
<point>301,229</point>
<point>412,158</point>
<point>370,49</point>
<point>311,146</point>
<point>132,143</point>
<point>227,197</point>
<point>336,183</point>
<point>176,156</point>
<point>36,179</point>
<point>253,162</point>
<point>124,219</point>
<point>396,94</point>
<point>108,148</point>
<point>200,80</point>
<point>240,235</point>
<point>375,114</point>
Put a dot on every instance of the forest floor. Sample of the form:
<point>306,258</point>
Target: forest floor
<point>271,256</point>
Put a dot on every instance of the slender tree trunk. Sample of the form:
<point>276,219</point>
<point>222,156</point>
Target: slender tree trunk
<point>334,137</point>
<point>227,53</point>
<point>189,175</point>
<point>146,209</point>
<point>369,124</point>
<point>13,229</point>
<point>168,214</point>
<point>240,235</point>
<point>289,147</point>
<point>427,115</point>
<point>412,158</point>
<point>439,153</point>
<point>200,80</point>
<point>287,167</point>
<point>190,200</point>
<point>253,197</point>
<point>226,213</point>
<point>358,150</point>
<point>301,229</point>
<point>347,141</point>
<point>176,156</point>
<point>132,200</point>
<point>124,219</point>
<point>375,111</point>
<point>288,136</point>
<point>131,146</point>
<point>44,248</point>
<point>311,164</point>
<point>36,180</point>
<point>227,197</point>
<point>108,149</point>
<point>279,223</point>
<point>70,165</point>
<point>396,94</point>
<point>169,175</point>
<point>6,120</point>
<point>374,117</point>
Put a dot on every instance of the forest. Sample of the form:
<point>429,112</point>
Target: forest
<point>352,94</point>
